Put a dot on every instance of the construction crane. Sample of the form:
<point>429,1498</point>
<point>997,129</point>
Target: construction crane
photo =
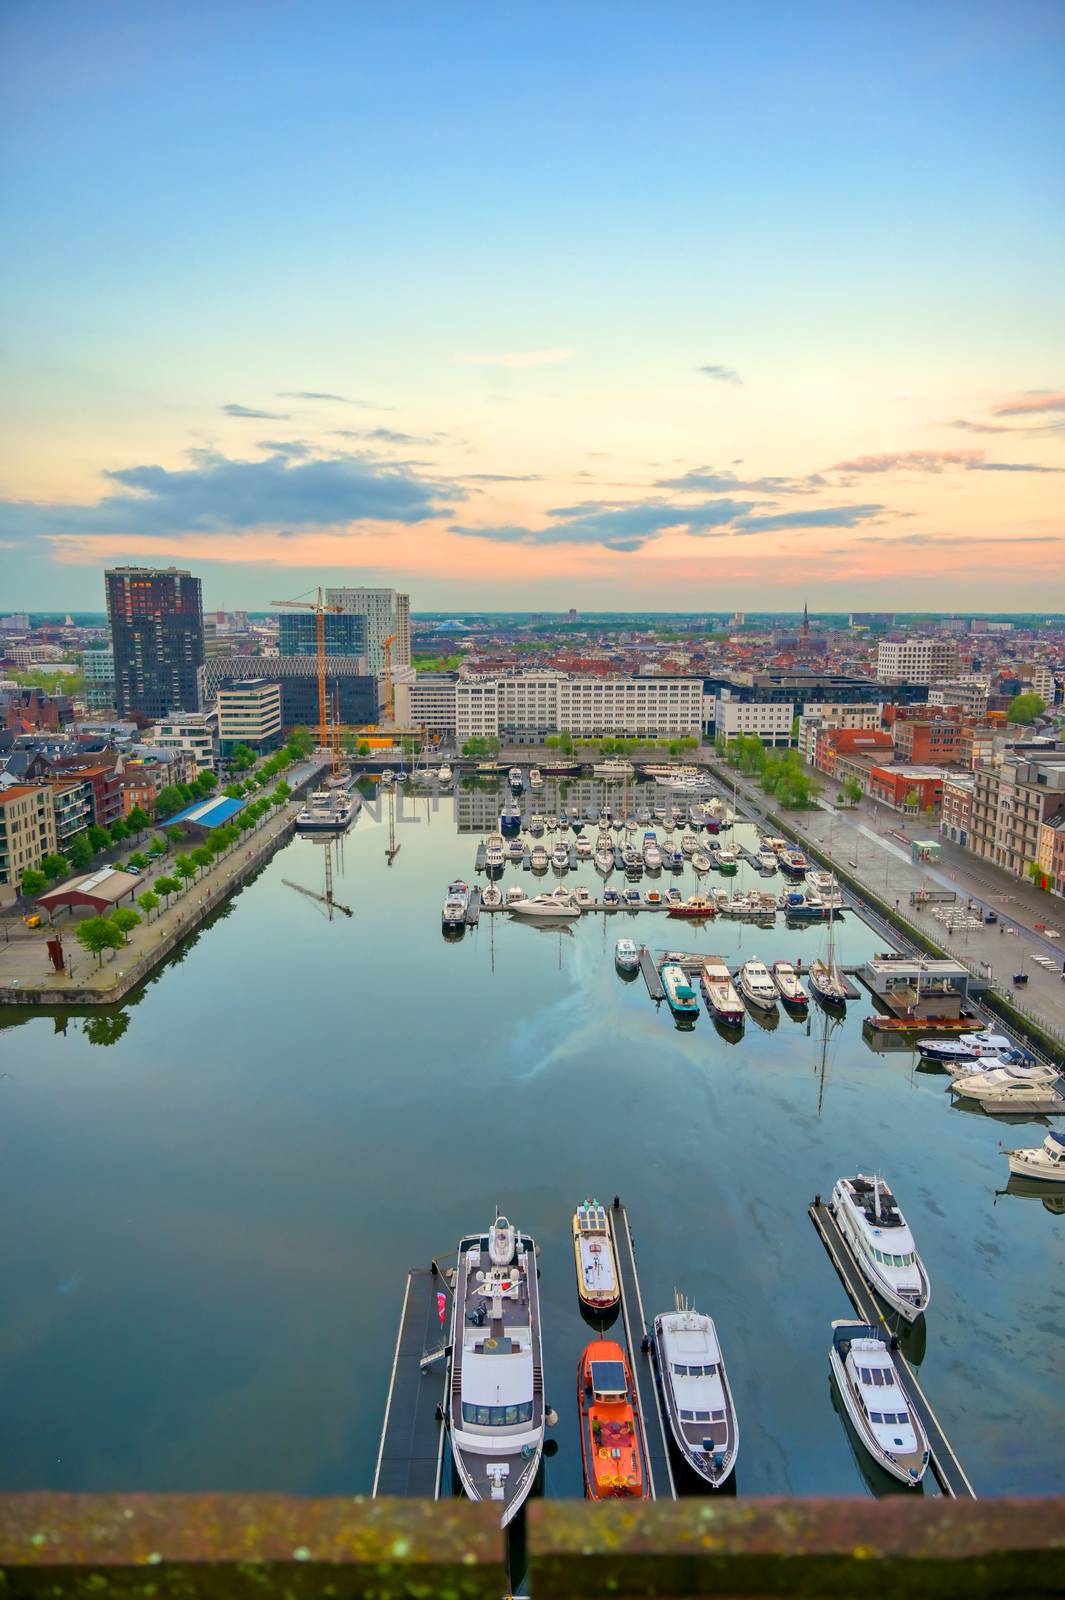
<point>319,607</point>
<point>325,899</point>
<point>387,647</point>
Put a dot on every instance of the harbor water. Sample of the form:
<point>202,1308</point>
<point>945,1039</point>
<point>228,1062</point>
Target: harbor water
<point>212,1194</point>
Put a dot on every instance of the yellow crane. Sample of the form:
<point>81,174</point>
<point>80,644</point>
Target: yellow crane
<point>319,607</point>
<point>387,647</point>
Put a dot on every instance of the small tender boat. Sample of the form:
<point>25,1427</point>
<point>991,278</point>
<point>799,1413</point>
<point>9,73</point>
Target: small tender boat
<point>720,991</point>
<point>560,858</point>
<point>881,1243</point>
<point>1002,1091</point>
<point>700,861</point>
<point>611,897</point>
<point>695,1386</point>
<point>696,905</point>
<point>653,898</point>
<point>598,1283</point>
<point>1045,1163</point>
<point>496,1401</point>
<point>515,894</point>
<point>683,1001</point>
<point>757,986</point>
<point>612,1445</point>
<point>626,955</point>
<point>456,904</point>
<point>791,990</point>
<point>876,1400</point>
<point>491,897</point>
<point>546,907</point>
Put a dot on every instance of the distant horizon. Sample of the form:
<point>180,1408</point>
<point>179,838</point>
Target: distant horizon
<point>57,614</point>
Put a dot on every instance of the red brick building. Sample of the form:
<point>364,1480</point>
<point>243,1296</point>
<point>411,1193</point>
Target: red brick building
<point>933,740</point>
<point>834,743</point>
<point>907,788</point>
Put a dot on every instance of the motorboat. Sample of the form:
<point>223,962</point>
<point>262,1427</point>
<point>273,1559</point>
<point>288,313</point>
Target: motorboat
<point>683,1001</point>
<point>824,886</point>
<point>967,1047</point>
<point>456,904</point>
<point>622,771</point>
<point>791,990</point>
<point>563,818</point>
<point>603,841</point>
<point>696,816</point>
<point>538,860</point>
<point>793,862</point>
<point>560,858</point>
<point>868,1217</point>
<point>401,774</point>
<point>674,896</point>
<point>632,899</point>
<point>604,861</point>
<point>603,820</point>
<point>546,907</point>
<point>652,856</point>
<point>612,1443</point>
<point>631,859</point>
<point>496,1392</point>
<point>627,955</point>
<point>1001,1091</point>
<point>673,859</point>
<point>876,1401</point>
<point>445,773</point>
<point>388,777</point>
<point>653,899</point>
<point>491,897</point>
<point>515,850</point>
<point>700,861</point>
<point>756,986</point>
<point>774,843</point>
<point>551,822</point>
<point>696,905</point>
<point>725,861</point>
<point>643,816</point>
<point>327,811</point>
<point>510,820</point>
<point>1045,1163</point>
<point>598,1281</point>
<point>583,847</point>
<point>582,896</point>
<point>611,898</point>
<point>695,1386</point>
<point>806,905</point>
<point>536,778</point>
<point>767,860</point>
<point>720,991</point>
<point>536,824</point>
<point>515,894</point>
<point>494,854</point>
<point>689,843</point>
<point>1020,1063</point>
<point>515,779</point>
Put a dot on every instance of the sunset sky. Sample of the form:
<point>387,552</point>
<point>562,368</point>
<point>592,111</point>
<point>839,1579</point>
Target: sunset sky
<point>532,305</point>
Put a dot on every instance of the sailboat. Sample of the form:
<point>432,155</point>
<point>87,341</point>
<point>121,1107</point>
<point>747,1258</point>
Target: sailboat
<point>825,978</point>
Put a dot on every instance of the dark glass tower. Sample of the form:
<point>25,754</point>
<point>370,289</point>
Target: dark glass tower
<point>156,616</point>
<point>345,634</point>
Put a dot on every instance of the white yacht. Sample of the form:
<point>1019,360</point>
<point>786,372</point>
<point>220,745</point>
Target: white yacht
<point>551,822</point>
<point>491,897</point>
<point>626,955</point>
<point>536,824</point>
<point>560,858</point>
<point>536,778</point>
<point>966,1047</point>
<point>547,907</point>
<point>720,991</point>
<point>583,846</point>
<point>1001,1090</point>
<point>539,858</point>
<point>791,990</point>
<point>1046,1162</point>
<point>757,986</point>
<point>623,771</point>
<point>456,904</point>
<point>494,854</point>
<point>767,860</point>
<point>496,1390</point>
<point>702,1417</point>
<point>1020,1063</point>
<point>388,777</point>
<point>652,855</point>
<point>604,860</point>
<point>700,861</point>
<point>825,887</point>
<point>876,1401</point>
<point>327,811</point>
<point>881,1243</point>
<point>689,843</point>
<point>445,774</point>
<point>515,894</point>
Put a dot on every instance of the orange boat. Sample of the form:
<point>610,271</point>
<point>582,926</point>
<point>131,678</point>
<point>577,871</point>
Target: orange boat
<point>611,1432</point>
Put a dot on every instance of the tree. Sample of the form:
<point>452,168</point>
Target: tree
<point>99,838</point>
<point>202,858</point>
<point>119,831</point>
<point>138,819</point>
<point>97,934</point>
<point>175,836</point>
<point>184,868</point>
<point>33,883</point>
<point>54,866</point>
<point>79,852</point>
<point>125,919</point>
<point>852,790</point>
<point>167,886</point>
<point>148,903</point>
<point>158,846</point>
<point>138,860</point>
<point>1025,708</point>
<point>207,783</point>
<point>242,758</point>
<point>169,801</point>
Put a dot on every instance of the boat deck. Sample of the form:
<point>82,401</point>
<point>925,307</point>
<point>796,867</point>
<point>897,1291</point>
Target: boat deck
<point>638,1337</point>
<point>945,1465</point>
<point>411,1447</point>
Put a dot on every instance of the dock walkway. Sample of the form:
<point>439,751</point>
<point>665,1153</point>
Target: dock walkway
<point>641,1360</point>
<point>947,1468</point>
<point>411,1449</point>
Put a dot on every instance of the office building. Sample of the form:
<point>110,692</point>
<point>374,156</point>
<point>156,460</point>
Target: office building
<point>345,633</point>
<point>525,707</point>
<point>191,731</point>
<point>352,691</point>
<point>916,661</point>
<point>98,665</point>
<point>386,615</point>
<point>249,713</point>
<point>770,721</point>
<point>156,617</point>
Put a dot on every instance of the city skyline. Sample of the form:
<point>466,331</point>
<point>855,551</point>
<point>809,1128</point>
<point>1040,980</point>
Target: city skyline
<point>536,310</point>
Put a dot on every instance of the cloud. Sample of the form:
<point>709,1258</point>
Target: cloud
<point>935,461</point>
<point>628,527</point>
<point>297,449</point>
<point>217,494</point>
<point>721,374</point>
<point>517,358</point>
<point>962,541</point>
<point>500,477</point>
<point>705,481</point>
<point>250,411</point>
<point>980,427</point>
<point>1030,401</point>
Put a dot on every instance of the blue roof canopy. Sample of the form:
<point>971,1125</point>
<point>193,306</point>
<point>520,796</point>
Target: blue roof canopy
<point>207,813</point>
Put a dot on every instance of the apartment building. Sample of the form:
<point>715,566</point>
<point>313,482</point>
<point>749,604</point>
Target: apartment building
<point>428,702</point>
<point>72,800</point>
<point>476,709</point>
<point>852,752</point>
<point>770,721</point>
<point>967,695</point>
<point>1013,797</point>
<point>935,740</point>
<point>956,821</point>
<point>523,708</point>
<point>98,666</point>
<point>916,661</point>
<point>193,732</point>
<point>386,614</point>
<point>27,829</point>
<point>249,713</point>
<point>1052,853</point>
<point>838,714</point>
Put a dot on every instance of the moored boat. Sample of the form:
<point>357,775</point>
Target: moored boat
<point>879,1237</point>
<point>696,905</point>
<point>720,992</point>
<point>494,854</point>
<point>756,986</point>
<point>683,1001</point>
<point>968,1047</point>
<point>496,1408</point>
<point>456,904</point>
<point>491,897</point>
<point>598,1283</point>
<point>626,955</point>
<point>546,907</point>
<point>1045,1163</point>
<point>695,1387</point>
<point>791,990</point>
<point>876,1401</point>
<point>700,861</point>
<point>1002,1090</point>
<point>612,1444</point>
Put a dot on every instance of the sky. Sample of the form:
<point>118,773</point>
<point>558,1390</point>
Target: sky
<point>532,306</point>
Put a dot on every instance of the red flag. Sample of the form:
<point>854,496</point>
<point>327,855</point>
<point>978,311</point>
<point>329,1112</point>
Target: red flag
<point>441,1306</point>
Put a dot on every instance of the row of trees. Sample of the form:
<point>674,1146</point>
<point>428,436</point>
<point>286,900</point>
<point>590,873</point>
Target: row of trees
<point>780,772</point>
<point>176,796</point>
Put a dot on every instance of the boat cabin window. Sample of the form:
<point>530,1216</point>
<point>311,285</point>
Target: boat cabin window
<point>496,1416</point>
<point>876,1416</point>
<point>717,1416</point>
<point>702,1416</point>
<point>687,1416</point>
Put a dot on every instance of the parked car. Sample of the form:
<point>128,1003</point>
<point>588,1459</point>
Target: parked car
<point>990,916</point>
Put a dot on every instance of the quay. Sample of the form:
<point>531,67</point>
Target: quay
<point>948,1470</point>
<point>638,1338</point>
<point>410,1452</point>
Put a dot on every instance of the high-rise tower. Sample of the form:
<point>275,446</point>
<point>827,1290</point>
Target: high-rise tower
<point>156,616</point>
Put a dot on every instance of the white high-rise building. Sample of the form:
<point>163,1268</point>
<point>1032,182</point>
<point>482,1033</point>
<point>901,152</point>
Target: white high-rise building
<point>916,660</point>
<point>387,615</point>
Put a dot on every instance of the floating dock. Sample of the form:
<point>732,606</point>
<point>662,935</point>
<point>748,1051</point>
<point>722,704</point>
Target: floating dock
<point>693,961</point>
<point>473,908</point>
<point>947,1468</point>
<point>411,1450</point>
<point>638,1336</point>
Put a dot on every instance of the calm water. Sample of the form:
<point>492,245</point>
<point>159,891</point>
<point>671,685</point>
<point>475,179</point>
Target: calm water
<point>211,1198</point>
